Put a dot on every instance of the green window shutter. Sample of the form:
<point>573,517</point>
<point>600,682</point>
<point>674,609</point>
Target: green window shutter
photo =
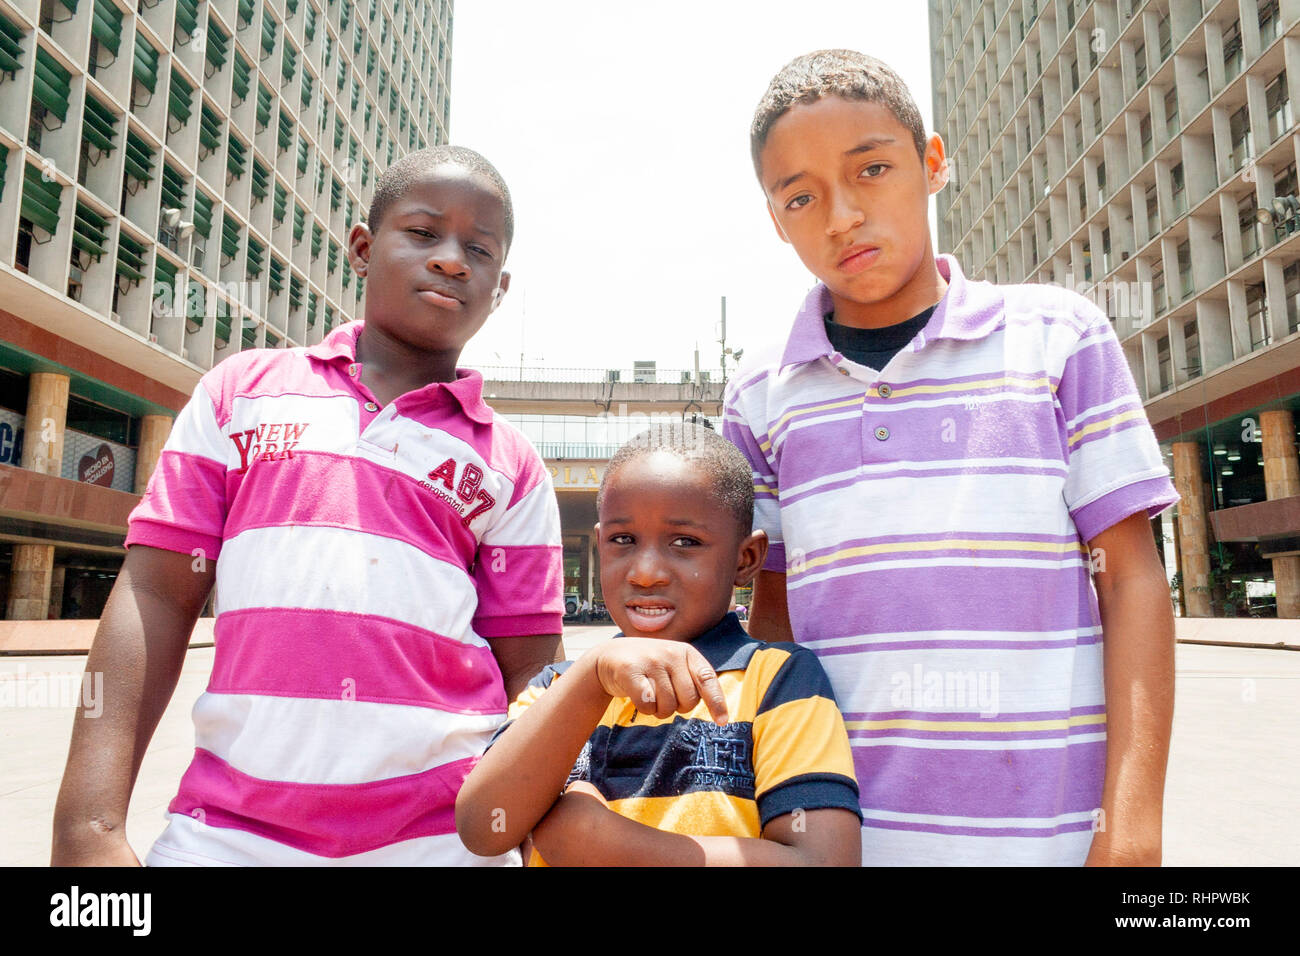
<point>41,199</point>
<point>229,238</point>
<point>187,17</point>
<point>302,156</point>
<point>106,25</point>
<point>392,99</point>
<point>164,272</point>
<point>246,10</point>
<point>139,158</point>
<point>173,188</point>
<point>100,125</point>
<point>347,216</point>
<point>365,170</point>
<point>295,293</point>
<point>255,252</point>
<point>130,258</point>
<point>316,235</point>
<point>286,131</point>
<point>89,231</point>
<point>145,68</point>
<point>306,86</point>
<point>299,221</point>
<point>370,61</point>
<point>261,178</point>
<point>263,106</point>
<point>236,158</point>
<point>11,44</point>
<point>311,309</point>
<point>336,193</point>
<point>281,202</point>
<point>196,303</point>
<point>273,340</point>
<point>209,129</point>
<point>329,49</point>
<point>52,84</point>
<point>202,213</point>
<point>329,318</point>
<point>342,78</point>
<point>352,151</point>
<point>275,275</point>
<point>250,333</point>
<point>383,83</point>
<point>356,92</point>
<point>218,46</point>
<point>320,174</point>
<point>345,15</point>
<point>367,116</point>
<point>356,39</point>
<point>309,23</point>
<point>241,79</point>
<point>401,123</point>
<point>178,101</point>
<point>347,271</point>
<point>332,257</point>
<point>291,6</point>
<point>338,130</point>
<point>288,63</point>
<point>390,152</point>
<point>268,33</point>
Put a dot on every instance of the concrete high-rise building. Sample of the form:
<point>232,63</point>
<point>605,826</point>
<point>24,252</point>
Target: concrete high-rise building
<point>1145,153</point>
<point>177,179</point>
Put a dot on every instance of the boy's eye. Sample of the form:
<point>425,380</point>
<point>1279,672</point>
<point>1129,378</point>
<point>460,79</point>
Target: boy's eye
<point>685,541</point>
<point>620,539</point>
<point>422,232</point>
<point>798,202</point>
<point>479,250</point>
<point>879,167</point>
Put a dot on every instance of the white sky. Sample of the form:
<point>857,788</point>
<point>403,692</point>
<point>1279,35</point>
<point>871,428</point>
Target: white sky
<point>623,132</point>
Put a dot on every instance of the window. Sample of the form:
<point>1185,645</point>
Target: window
<point>1163,363</point>
<point>1158,297</point>
<point>1185,267</point>
<point>1074,75</point>
<point>1232,51</point>
<point>1257,316</point>
<point>1179,189</point>
<point>1270,22</point>
<point>1101,183</point>
<point>1291,284</point>
<point>1144,135</point>
<point>1243,141</point>
<point>1171,112</point>
<point>1153,212</point>
<point>1140,63</point>
<point>1105,251</point>
<point>1277,99</point>
<point>1087,262</point>
<point>1249,227</point>
<point>1164,34</point>
<point>1192,348</point>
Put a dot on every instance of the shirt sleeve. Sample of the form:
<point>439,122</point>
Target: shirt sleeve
<point>1114,464</point>
<point>736,428</point>
<point>802,758</point>
<point>519,570</point>
<point>527,697</point>
<point>184,505</point>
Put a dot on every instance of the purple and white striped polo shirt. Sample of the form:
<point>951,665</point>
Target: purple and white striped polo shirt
<point>363,555</point>
<point>931,520</point>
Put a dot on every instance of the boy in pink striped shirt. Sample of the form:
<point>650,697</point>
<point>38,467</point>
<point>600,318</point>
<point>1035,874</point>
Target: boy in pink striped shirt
<point>387,560</point>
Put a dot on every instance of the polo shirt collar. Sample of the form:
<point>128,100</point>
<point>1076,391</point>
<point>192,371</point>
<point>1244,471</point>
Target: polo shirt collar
<point>968,310</point>
<point>341,346</point>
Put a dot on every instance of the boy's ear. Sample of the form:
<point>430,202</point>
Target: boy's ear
<point>360,239</point>
<point>503,286</point>
<point>779,231</point>
<point>750,557</point>
<point>937,169</point>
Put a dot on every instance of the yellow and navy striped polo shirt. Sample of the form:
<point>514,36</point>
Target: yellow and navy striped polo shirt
<point>784,748</point>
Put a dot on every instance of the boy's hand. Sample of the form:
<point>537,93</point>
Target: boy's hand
<point>660,677</point>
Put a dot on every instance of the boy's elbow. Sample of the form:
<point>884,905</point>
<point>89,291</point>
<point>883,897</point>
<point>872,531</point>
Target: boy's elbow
<point>482,831</point>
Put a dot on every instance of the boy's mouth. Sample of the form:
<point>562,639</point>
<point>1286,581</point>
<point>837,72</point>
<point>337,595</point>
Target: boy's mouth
<point>648,616</point>
<point>440,297</point>
<point>858,257</point>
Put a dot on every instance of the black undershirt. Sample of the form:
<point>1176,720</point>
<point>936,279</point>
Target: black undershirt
<point>875,347</point>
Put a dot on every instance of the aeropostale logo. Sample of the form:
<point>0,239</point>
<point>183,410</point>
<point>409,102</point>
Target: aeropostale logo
<point>268,442</point>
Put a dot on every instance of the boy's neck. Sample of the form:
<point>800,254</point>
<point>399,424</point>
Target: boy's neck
<point>926,288</point>
<point>391,368</point>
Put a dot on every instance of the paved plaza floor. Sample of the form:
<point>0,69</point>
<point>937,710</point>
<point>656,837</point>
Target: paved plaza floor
<point>1234,768</point>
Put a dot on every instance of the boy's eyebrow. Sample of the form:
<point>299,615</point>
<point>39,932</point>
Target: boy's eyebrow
<point>422,211</point>
<point>866,146</point>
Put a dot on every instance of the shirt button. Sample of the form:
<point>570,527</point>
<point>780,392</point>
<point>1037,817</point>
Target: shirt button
<point>371,407</point>
<point>882,433</point>
<point>844,371</point>
<point>352,369</point>
<point>884,390</point>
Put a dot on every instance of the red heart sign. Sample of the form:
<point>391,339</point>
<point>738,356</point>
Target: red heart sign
<point>97,468</point>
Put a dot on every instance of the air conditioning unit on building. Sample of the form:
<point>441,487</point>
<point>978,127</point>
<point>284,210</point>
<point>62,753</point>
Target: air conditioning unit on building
<point>643,373</point>
<point>612,375</point>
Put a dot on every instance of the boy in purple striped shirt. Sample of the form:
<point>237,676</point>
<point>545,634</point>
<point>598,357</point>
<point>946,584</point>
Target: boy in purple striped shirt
<point>956,479</point>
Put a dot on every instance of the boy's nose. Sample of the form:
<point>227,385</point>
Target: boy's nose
<point>845,213</point>
<point>646,569</point>
<point>446,258</point>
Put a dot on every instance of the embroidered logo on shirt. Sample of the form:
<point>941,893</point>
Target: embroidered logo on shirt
<point>267,442</point>
<point>463,494</point>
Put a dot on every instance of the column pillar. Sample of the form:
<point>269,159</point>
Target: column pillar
<point>33,564</point>
<point>154,430</point>
<point>1282,480</point>
<point>1193,544</point>
<point>57,577</point>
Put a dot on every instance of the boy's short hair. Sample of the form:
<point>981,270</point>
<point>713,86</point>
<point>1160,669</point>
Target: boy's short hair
<point>696,442</point>
<point>846,73</point>
<point>397,179</point>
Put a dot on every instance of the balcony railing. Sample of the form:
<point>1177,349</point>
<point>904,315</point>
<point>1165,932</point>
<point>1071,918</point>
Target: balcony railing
<point>620,376</point>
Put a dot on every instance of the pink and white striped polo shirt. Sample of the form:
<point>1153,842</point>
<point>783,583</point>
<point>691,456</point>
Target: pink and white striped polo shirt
<point>363,555</point>
<point>931,519</point>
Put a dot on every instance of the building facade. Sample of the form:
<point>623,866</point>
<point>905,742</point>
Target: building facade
<point>1144,152</point>
<point>177,180</point>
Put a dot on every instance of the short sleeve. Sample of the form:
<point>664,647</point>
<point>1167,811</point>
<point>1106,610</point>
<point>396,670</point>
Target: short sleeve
<point>184,506</point>
<point>802,758</point>
<point>1114,464</point>
<point>519,570</point>
<point>736,428</point>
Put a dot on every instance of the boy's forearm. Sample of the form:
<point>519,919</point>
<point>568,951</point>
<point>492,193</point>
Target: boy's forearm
<point>581,831</point>
<point>518,780</point>
<point>1138,636</point>
<point>769,615</point>
<point>139,648</point>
